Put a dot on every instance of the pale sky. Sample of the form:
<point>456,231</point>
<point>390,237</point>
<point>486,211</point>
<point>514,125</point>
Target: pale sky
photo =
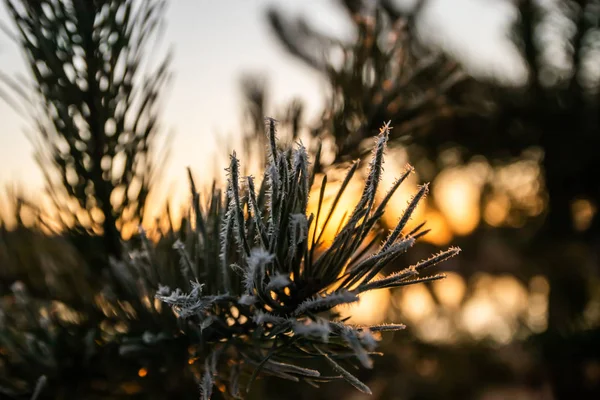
<point>216,42</point>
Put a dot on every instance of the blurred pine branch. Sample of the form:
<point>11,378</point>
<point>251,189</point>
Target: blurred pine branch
<point>383,73</point>
<point>95,106</point>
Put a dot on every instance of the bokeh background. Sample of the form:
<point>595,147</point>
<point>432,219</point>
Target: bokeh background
<point>496,103</point>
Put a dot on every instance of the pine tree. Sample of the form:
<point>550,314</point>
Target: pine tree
<point>252,286</point>
<point>385,73</point>
<point>97,107</point>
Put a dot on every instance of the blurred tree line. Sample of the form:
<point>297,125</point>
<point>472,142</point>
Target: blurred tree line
<point>442,117</point>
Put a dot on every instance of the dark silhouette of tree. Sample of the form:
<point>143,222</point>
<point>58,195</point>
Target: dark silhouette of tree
<point>561,111</point>
<point>555,114</point>
<point>98,105</point>
<point>383,74</point>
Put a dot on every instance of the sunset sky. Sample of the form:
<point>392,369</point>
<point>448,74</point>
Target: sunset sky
<point>216,42</point>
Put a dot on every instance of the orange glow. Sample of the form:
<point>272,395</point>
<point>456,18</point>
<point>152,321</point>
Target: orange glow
<point>440,233</point>
<point>458,197</point>
<point>128,230</point>
<point>65,313</point>
<point>509,294</point>
<point>583,213</point>
<point>496,306</point>
<point>142,372</point>
<point>450,291</point>
<point>496,210</point>
<point>436,328</point>
<point>480,318</point>
<point>537,312</point>
<point>344,207</point>
<point>416,302</point>
<point>371,309</point>
<point>521,181</point>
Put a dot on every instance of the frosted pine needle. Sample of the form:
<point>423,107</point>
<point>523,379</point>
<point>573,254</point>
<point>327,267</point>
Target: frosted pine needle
<point>270,305</point>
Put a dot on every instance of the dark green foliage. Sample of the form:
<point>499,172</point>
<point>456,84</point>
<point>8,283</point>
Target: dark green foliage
<point>97,108</point>
<point>561,120</point>
<point>252,286</point>
<point>269,306</point>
